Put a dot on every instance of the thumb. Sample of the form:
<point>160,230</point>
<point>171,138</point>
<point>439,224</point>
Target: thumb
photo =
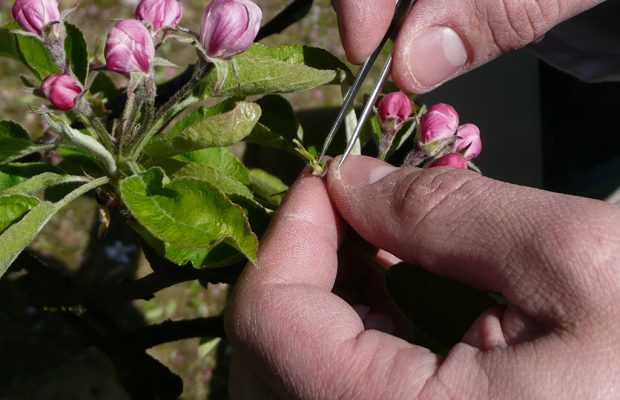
<point>445,38</point>
<point>521,242</point>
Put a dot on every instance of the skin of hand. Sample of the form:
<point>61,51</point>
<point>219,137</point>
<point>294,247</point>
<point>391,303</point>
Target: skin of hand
<point>442,39</point>
<point>556,259</point>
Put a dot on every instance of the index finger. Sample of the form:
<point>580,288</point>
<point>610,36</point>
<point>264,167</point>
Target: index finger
<point>306,341</point>
<point>362,25</point>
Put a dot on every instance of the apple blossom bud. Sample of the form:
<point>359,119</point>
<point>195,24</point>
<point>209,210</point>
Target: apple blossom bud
<point>130,48</point>
<point>34,15</point>
<point>160,13</point>
<point>61,90</point>
<point>440,122</point>
<point>229,27</point>
<point>454,160</point>
<point>469,142</point>
<point>395,105</point>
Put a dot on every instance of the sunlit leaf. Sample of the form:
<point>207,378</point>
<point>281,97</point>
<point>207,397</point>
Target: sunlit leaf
<point>271,69</point>
<point>187,213</point>
<point>206,128</point>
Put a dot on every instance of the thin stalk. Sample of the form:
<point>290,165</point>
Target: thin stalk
<point>169,109</point>
<point>132,108</point>
<point>82,190</point>
<point>151,91</point>
<point>91,120</point>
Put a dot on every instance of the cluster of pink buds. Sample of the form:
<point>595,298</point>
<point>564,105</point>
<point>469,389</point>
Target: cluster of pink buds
<point>61,90</point>
<point>393,110</point>
<point>442,140</point>
<point>229,27</point>
<point>35,15</point>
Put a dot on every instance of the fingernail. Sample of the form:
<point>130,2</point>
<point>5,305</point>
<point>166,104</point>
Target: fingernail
<point>435,55</point>
<point>362,171</point>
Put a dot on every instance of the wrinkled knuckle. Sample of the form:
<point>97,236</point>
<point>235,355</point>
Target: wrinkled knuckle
<point>514,24</point>
<point>419,194</point>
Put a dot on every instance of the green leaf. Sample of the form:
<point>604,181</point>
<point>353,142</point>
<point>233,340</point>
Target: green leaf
<point>14,149</point>
<point>8,45</point>
<point>15,142</point>
<point>13,207</point>
<point>103,84</point>
<point>15,173</point>
<point>223,182</point>
<point>206,128</point>
<point>267,69</point>
<point>42,181</point>
<point>221,255</point>
<point>441,308</point>
<point>270,189</point>
<point>78,162</point>
<point>21,233</point>
<point>34,55</point>
<point>13,130</point>
<point>221,159</point>
<point>188,213</point>
<point>77,51</point>
<point>278,125</point>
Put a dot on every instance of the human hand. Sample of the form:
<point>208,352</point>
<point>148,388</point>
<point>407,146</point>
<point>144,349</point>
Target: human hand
<point>554,257</point>
<point>442,39</point>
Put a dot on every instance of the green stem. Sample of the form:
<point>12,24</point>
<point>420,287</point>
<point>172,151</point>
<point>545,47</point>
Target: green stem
<point>170,109</point>
<point>90,120</point>
<point>82,190</point>
<point>132,108</point>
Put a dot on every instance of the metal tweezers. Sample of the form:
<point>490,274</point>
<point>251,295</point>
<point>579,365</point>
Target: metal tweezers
<point>400,14</point>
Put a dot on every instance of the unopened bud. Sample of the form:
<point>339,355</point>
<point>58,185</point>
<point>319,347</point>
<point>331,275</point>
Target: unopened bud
<point>394,106</point>
<point>469,142</point>
<point>129,48</point>
<point>229,27</point>
<point>440,122</point>
<point>34,15</point>
<point>61,90</point>
<point>454,160</point>
<point>160,13</point>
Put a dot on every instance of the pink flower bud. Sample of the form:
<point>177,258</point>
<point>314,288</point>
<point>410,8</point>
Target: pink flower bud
<point>160,13</point>
<point>130,48</point>
<point>229,27</point>
<point>395,105</point>
<point>61,90</point>
<point>469,144</point>
<point>33,15</point>
<point>454,160</point>
<point>439,122</point>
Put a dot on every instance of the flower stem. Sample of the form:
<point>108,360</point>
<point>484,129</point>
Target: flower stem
<point>89,119</point>
<point>82,190</point>
<point>132,107</point>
